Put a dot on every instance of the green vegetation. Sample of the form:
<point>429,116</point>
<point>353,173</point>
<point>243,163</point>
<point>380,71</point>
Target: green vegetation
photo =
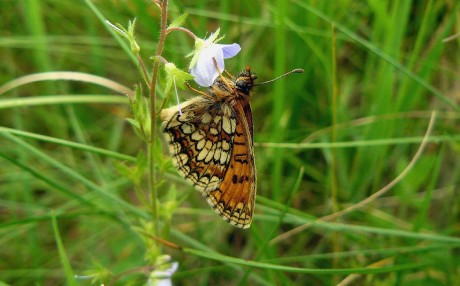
<point>357,158</point>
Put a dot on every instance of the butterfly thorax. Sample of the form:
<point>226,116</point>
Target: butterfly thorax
<point>229,89</point>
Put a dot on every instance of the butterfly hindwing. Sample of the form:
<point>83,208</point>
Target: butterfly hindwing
<point>200,141</point>
<point>235,197</point>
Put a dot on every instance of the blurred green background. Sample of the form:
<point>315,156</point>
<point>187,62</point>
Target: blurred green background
<point>325,140</point>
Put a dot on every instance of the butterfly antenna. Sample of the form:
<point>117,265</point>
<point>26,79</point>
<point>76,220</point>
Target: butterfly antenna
<point>283,75</point>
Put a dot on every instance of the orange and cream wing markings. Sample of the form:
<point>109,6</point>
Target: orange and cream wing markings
<point>212,146</point>
<point>197,141</point>
<point>235,197</point>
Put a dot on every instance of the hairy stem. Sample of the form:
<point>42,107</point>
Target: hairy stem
<point>143,69</point>
<point>182,29</point>
<point>153,115</point>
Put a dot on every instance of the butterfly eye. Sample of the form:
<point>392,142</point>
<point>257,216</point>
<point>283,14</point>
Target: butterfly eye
<point>244,84</point>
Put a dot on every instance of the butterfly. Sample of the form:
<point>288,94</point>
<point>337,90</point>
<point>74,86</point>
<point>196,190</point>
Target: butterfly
<point>211,142</point>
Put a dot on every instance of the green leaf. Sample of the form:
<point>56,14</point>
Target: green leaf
<point>119,29</point>
<point>133,122</point>
<point>141,163</point>
<point>140,109</point>
<point>126,33</point>
<point>178,21</point>
<point>135,172</point>
<point>132,40</point>
<point>175,76</point>
<point>99,273</point>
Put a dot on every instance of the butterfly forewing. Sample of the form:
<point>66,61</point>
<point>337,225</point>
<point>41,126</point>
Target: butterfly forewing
<point>211,145</point>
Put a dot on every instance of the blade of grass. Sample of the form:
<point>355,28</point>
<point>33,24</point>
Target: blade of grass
<point>52,183</point>
<point>276,226</point>
<point>277,267</point>
<point>296,217</point>
<point>36,27</point>
<point>404,250</point>
<point>362,143</point>
<point>124,45</point>
<point>60,99</point>
<point>278,107</point>
<point>333,163</point>
<point>375,195</point>
<point>382,55</point>
<point>423,211</point>
<point>69,274</point>
<point>205,248</point>
<point>96,150</point>
<point>415,53</point>
<point>101,192</point>
<point>383,231</point>
<point>46,217</point>
<point>80,135</point>
<point>61,76</point>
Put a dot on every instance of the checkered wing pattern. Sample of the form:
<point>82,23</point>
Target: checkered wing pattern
<point>211,146</point>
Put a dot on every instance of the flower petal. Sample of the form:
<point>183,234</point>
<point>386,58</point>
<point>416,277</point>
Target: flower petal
<point>230,50</point>
<point>205,71</point>
<point>199,44</point>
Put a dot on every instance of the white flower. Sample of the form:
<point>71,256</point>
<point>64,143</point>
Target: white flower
<point>202,66</point>
<point>164,269</point>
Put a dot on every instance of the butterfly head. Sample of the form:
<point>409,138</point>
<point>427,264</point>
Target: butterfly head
<point>245,81</point>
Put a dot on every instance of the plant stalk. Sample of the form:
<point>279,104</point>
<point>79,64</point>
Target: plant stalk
<point>153,115</point>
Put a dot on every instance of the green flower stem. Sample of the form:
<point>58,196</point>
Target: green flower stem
<point>153,115</point>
